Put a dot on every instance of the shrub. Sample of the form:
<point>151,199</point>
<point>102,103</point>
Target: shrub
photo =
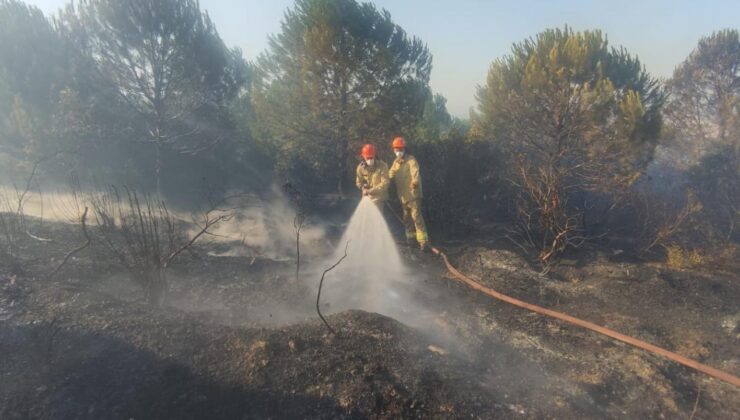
<point>144,237</point>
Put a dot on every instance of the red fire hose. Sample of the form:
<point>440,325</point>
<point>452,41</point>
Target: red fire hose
<point>715,373</point>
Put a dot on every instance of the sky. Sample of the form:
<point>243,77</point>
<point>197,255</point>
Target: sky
<point>465,36</point>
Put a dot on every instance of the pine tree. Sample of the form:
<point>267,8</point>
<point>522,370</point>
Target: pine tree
<point>339,73</point>
<point>166,62</point>
<point>703,109</point>
<point>571,115</point>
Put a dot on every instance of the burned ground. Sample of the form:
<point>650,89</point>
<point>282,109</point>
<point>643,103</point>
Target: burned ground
<point>238,338</point>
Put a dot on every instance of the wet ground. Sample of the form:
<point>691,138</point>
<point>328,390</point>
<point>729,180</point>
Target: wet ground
<point>239,338</point>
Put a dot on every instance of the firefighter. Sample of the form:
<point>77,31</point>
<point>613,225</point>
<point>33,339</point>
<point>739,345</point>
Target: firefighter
<point>372,176</point>
<point>405,172</point>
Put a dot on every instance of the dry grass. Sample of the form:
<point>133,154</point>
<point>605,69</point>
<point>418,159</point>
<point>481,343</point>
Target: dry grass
<point>680,258</point>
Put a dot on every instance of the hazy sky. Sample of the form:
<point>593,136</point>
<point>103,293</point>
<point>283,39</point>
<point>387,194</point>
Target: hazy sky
<point>466,35</point>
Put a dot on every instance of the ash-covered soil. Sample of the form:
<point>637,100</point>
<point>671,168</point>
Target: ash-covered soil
<point>239,338</point>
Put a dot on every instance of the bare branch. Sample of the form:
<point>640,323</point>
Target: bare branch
<point>298,221</point>
<point>83,219</point>
<point>208,224</point>
<point>321,283</point>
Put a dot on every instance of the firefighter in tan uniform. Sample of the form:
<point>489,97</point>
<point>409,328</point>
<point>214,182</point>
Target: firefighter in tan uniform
<point>405,172</point>
<point>372,176</point>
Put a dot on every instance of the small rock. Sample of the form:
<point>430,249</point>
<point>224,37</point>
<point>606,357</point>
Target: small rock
<point>730,323</point>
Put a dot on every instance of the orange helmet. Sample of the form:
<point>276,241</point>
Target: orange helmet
<point>368,151</point>
<point>398,143</point>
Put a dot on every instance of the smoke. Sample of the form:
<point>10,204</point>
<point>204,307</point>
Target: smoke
<point>55,206</point>
<point>373,277</point>
<point>258,226</point>
<point>263,226</point>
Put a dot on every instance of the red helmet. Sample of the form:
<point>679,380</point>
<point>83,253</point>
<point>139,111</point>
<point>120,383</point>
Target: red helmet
<point>368,151</point>
<point>398,143</point>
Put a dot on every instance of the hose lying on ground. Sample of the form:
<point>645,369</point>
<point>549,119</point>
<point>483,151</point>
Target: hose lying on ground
<point>715,373</point>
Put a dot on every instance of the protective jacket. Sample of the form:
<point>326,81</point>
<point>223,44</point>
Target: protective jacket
<point>405,172</point>
<point>375,178</point>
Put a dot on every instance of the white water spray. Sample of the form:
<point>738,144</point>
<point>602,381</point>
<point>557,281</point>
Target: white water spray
<point>366,278</point>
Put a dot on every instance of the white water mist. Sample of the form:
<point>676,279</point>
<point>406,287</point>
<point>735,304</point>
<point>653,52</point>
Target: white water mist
<point>372,269</point>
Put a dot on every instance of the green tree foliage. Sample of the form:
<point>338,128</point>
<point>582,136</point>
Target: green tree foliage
<point>703,113</point>
<point>703,109</point>
<point>339,73</point>
<point>32,64</point>
<point>690,200</point>
<point>32,72</point>
<point>166,63</point>
<point>571,115</point>
<point>436,120</point>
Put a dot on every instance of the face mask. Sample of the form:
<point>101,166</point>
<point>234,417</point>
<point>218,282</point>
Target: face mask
<point>399,153</point>
<point>370,162</point>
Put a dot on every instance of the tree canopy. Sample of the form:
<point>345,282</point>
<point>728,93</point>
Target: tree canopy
<point>571,114</point>
<point>32,71</point>
<point>704,104</point>
<point>703,133</point>
<point>167,64</point>
<point>338,74</point>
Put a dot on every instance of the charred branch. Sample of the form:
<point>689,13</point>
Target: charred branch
<point>70,254</point>
<point>321,284</point>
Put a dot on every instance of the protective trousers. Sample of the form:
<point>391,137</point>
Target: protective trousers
<point>413,221</point>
